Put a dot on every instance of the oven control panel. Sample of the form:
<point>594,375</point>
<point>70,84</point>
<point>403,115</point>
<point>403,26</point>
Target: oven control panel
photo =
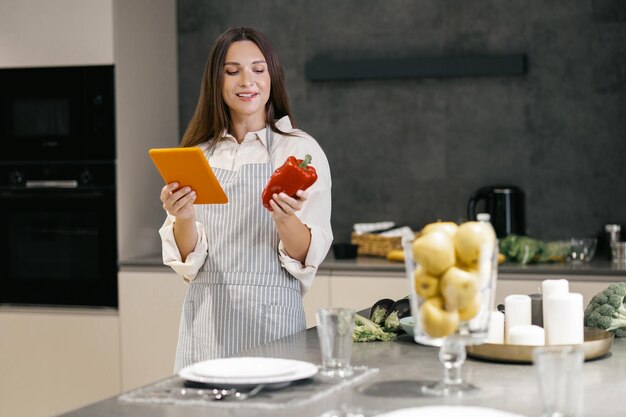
<point>74,175</point>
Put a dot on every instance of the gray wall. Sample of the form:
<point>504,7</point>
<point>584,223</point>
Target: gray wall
<point>413,150</point>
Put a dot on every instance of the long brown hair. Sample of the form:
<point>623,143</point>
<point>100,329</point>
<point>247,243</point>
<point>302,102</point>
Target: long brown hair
<point>212,117</point>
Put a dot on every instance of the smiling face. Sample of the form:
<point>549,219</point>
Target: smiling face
<point>246,83</point>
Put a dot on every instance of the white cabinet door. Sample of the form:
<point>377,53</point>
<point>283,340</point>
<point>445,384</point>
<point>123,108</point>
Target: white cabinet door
<point>317,297</point>
<point>360,292</point>
<point>45,33</point>
<point>55,360</point>
<point>532,284</point>
<point>150,309</point>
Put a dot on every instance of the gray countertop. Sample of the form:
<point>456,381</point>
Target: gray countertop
<point>402,365</point>
<point>379,264</point>
<point>366,265</point>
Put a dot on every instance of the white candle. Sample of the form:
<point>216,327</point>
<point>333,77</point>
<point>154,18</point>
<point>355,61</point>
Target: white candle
<point>528,335</point>
<point>496,328</point>
<point>551,287</point>
<point>565,319</point>
<point>554,286</point>
<point>517,312</point>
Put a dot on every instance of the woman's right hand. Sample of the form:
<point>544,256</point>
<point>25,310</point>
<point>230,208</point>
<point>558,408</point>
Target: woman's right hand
<point>178,203</point>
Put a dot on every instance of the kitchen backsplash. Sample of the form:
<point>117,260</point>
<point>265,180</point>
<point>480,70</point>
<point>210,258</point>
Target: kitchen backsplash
<point>413,150</point>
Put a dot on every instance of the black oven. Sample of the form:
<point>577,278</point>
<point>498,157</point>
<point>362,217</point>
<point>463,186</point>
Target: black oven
<point>57,114</point>
<point>58,244</point>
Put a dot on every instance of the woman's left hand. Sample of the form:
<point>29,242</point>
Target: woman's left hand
<point>284,206</point>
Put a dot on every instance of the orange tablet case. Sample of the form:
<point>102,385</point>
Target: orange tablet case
<point>189,167</point>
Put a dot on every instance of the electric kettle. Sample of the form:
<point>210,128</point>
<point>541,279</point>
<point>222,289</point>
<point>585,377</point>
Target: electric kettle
<point>505,205</point>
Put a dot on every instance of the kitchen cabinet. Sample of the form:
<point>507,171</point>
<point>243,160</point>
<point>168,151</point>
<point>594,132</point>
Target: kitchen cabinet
<point>531,283</point>
<point>358,283</point>
<point>53,360</point>
<point>317,297</point>
<point>363,290</point>
<point>150,305</point>
<point>41,33</point>
<point>151,299</point>
<point>150,308</point>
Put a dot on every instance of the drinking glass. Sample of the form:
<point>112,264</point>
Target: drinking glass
<point>452,353</point>
<point>559,373</point>
<point>334,329</point>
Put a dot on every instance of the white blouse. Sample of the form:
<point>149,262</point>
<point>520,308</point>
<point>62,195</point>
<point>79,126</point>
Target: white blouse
<point>315,212</point>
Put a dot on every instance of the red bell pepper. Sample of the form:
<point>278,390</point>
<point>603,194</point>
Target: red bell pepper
<point>294,175</point>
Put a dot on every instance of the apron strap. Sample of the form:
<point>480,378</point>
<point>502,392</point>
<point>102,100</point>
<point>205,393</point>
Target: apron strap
<point>269,134</point>
<point>270,139</point>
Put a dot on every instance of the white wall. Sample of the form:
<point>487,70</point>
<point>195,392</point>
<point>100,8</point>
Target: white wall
<point>35,33</point>
<point>147,116</point>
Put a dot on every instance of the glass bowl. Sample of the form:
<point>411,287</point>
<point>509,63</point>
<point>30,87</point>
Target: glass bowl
<point>582,249</point>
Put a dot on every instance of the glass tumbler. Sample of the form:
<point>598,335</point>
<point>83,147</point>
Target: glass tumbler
<point>559,375</point>
<point>334,329</point>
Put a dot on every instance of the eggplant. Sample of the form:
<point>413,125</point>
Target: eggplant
<point>403,307</point>
<point>380,310</point>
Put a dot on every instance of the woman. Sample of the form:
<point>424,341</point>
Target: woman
<point>247,266</point>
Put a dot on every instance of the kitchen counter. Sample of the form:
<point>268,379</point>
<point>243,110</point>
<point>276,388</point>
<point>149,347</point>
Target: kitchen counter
<point>369,265</point>
<point>402,364</point>
<point>379,264</point>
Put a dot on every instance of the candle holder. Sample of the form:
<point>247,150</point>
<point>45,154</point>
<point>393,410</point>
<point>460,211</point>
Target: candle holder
<point>452,353</point>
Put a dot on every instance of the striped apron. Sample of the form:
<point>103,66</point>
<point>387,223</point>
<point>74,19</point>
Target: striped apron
<point>242,297</point>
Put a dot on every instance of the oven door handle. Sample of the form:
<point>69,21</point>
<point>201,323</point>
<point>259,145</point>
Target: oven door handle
<point>50,193</point>
<point>52,184</point>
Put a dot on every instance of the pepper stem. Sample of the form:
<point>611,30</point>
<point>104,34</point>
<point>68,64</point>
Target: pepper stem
<point>305,161</point>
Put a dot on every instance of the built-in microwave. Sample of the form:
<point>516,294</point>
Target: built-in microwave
<point>57,114</point>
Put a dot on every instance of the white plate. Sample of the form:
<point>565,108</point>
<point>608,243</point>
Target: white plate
<point>237,368</point>
<point>448,411</point>
<point>297,370</point>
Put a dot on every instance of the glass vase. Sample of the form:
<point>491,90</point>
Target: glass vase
<point>474,330</point>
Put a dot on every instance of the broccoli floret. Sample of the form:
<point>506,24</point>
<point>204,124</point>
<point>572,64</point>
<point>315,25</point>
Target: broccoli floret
<point>616,301</point>
<point>392,322</point>
<point>366,331</point>
<point>599,321</point>
<point>363,334</point>
<point>522,249</point>
<point>606,310</point>
<point>599,299</point>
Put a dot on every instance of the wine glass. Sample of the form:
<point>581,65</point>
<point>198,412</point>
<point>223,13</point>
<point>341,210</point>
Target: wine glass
<point>467,328</point>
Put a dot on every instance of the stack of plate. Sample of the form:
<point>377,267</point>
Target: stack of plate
<point>248,371</point>
<point>448,411</point>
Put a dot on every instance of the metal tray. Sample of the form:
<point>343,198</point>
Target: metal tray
<point>597,344</point>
